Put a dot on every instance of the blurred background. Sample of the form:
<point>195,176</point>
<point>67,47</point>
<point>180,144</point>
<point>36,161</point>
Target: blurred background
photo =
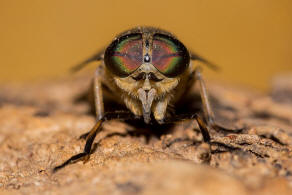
<point>250,40</point>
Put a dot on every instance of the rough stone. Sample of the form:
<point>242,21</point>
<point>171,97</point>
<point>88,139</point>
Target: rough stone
<point>40,124</point>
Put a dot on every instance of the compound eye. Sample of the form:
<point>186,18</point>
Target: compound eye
<point>169,55</point>
<point>124,55</point>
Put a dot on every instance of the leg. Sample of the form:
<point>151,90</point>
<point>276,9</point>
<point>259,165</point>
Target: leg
<point>98,99</point>
<point>203,150</point>
<point>208,113</point>
<point>91,136</point>
<point>87,148</point>
<point>202,125</point>
<point>119,114</point>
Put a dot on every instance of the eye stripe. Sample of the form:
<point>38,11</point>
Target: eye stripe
<point>168,56</point>
<point>119,54</point>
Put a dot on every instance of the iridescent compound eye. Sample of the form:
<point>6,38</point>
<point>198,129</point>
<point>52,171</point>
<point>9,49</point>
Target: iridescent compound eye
<point>169,55</point>
<point>124,55</point>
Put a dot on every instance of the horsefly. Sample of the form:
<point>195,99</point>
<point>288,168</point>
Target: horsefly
<point>148,70</point>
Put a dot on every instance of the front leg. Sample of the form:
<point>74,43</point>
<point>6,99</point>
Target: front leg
<point>90,136</point>
<point>208,113</point>
<point>207,110</point>
<point>87,148</point>
<point>98,96</point>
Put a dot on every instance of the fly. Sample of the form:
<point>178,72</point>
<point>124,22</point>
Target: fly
<point>148,70</point>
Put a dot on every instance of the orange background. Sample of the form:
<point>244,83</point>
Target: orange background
<point>251,40</point>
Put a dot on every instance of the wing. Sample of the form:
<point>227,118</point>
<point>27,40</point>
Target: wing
<point>96,57</point>
<point>195,56</point>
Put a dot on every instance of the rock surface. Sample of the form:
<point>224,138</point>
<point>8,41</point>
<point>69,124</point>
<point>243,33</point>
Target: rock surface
<point>40,125</point>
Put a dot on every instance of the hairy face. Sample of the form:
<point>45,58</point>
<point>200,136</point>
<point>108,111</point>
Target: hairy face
<point>146,65</point>
<point>147,78</point>
<point>148,86</point>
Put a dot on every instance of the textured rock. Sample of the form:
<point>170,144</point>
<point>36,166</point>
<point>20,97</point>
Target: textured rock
<point>40,125</point>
